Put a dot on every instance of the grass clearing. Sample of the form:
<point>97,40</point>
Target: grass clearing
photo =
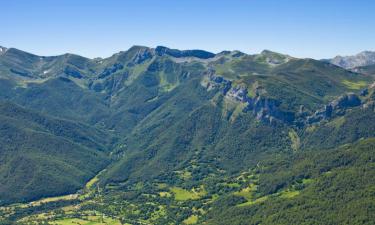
<point>91,220</point>
<point>193,219</point>
<point>233,185</point>
<point>138,186</point>
<point>165,85</point>
<point>161,185</point>
<point>137,70</point>
<point>185,175</point>
<point>92,182</point>
<point>53,199</point>
<point>307,181</point>
<point>181,194</point>
<point>247,192</point>
<point>294,139</point>
<point>311,128</point>
<point>69,221</point>
<point>165,194</point>
<point>289,194</point>
<point>354,85</point>
<point>161,212</point>
<point>258,200</point>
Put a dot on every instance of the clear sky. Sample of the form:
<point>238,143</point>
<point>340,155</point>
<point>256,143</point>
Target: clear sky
<point>93,28</point>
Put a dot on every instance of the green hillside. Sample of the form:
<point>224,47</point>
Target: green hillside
<point>164,136</point>
<point>320,187</point>
<point>43,156</point>
<point>370,70</point>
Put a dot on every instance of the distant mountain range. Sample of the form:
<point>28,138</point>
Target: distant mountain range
<point>362,59</point>
<point>167,136</point>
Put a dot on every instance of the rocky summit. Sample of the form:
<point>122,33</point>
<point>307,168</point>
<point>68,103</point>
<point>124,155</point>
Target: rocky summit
<point>365,58</point>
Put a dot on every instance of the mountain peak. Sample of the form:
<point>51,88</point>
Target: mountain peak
<point>367,53</point>
<point>138,47</point>
<point>2,50</point>
<point>272,53</point>
<point>364,58</point>
<point>266,52</point>
<point>273,58</point>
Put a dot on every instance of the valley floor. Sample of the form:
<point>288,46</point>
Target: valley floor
<point>222,199</point>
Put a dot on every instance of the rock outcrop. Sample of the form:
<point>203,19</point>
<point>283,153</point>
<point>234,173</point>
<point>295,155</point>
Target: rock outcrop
<point>268,109</point>
<point>110,70</point>
<point>141,56</point>
<point>336,107</point>
<point>214,81</point>
<point>2,50</point>
<point>265,109</point>
<point>73,72</point>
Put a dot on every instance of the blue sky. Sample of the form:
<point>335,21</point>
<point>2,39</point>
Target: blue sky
<point>302,28</point>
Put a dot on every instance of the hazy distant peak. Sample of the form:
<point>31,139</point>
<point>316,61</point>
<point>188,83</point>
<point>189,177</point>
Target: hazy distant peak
<point>364,58</point>
<point>266,52</point>
<point>138,47</point>
<point>2,50</point>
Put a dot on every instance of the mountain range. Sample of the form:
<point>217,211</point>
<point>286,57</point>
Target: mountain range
<point>362,59</point>
<point>167,136</point>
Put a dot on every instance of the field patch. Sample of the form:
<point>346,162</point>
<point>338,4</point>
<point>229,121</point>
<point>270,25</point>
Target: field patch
<point>181,194</point>
<point>295,140</point>
<point>193,219</point>
<point>91,220</point>
<point>354,85</point>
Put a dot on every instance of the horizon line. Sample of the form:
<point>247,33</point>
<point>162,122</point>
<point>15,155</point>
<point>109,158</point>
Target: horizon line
<point>179,49</point>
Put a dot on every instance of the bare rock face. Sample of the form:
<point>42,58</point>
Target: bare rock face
<point>142,55</point>
<point>265,109</point>
<point>268,109</point>
<point>238,94</point>
<point>2,50</point>
<point>110,70</point>
<point>336,107</point>
<point>214,81</point>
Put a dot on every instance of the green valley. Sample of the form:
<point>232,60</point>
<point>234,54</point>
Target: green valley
<point>167,136</point>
